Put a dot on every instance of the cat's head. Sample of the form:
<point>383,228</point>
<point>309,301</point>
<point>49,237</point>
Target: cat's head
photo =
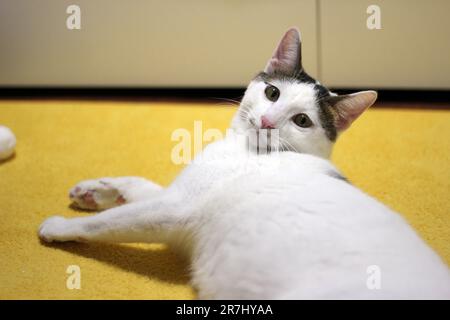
<point>308,116</point>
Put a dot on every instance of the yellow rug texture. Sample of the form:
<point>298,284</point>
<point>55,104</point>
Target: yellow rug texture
<point>399,156</point>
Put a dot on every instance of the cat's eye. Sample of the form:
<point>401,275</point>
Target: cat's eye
<point>272,93</point>
<point>302,120</point>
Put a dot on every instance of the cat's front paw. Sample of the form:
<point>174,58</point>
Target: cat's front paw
<point>55,229</point>
<point>97,194</point>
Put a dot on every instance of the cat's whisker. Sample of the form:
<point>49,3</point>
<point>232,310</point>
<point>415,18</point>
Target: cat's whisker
<point>234,102</point>
<point>227,104</point>
<point>289,145</point>
<point>281,145</point>
<point>292,148</point>
<point>246,114</point>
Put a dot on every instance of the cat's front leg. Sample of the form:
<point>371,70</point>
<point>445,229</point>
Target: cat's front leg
<point>105,193</point>
<point>155,220</point>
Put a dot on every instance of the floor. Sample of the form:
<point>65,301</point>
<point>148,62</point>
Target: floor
<point>400,156</point>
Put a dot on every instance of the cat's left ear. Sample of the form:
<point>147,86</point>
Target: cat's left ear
<point>348,107</point>
<point>287,56</point>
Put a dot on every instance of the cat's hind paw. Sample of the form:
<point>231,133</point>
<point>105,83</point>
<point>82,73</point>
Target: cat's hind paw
<point>97,194</point>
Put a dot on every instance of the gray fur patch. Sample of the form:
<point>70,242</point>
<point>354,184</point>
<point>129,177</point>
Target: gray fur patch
<point>326,117</point>
<point>337,175</point>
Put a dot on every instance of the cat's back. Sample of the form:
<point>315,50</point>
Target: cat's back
<point>293,228</point>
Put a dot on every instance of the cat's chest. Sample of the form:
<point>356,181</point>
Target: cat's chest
<point>219,163</point>
<point>227,163</point>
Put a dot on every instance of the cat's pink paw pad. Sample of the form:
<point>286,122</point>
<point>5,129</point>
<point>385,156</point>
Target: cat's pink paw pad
<point>88,198</point>
<point>96,195</point>
<point>84,199</point>
<point>120,200</point>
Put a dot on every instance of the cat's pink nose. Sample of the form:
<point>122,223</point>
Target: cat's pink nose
<point>266,124</point>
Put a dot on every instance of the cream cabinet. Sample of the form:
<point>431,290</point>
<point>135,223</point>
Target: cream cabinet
<point>411,50</point>
<point>222,43</point>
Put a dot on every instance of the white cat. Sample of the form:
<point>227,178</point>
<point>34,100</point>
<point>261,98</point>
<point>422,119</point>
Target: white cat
<point>283,225</point>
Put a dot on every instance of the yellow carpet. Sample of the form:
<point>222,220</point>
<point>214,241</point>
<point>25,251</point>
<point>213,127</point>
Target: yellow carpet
<point>399,156</point>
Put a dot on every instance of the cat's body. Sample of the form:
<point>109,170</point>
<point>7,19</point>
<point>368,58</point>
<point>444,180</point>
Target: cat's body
<point>291,228</point>
<point>300,232</point>
<point>284,225</point>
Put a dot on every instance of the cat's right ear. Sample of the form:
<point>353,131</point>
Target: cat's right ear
<point>288,55</point>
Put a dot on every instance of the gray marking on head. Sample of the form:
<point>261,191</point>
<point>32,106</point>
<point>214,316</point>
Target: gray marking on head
<point>326,117</point>
<point>299,76</point>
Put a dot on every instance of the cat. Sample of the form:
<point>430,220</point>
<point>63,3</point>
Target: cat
<point>281,225</point>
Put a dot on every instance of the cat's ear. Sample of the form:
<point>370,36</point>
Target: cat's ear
<point>287,57</point>
<point>348,107</point>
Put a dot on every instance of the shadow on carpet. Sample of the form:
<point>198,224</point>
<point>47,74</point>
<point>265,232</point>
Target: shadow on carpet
<point>151,263</point>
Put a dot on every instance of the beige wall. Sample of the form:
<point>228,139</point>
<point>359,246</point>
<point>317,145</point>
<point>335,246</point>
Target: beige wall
<point>212,43</point>
<point>412,49</point>
<point>147,43</point>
